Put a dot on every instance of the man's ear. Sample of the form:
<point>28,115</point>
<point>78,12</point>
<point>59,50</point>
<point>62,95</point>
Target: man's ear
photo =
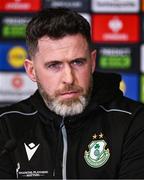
<point>93,59</point>
<point>29,67</point>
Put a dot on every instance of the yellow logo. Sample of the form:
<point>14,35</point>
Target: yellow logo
<point>16,56</point>
<point>123,86</point>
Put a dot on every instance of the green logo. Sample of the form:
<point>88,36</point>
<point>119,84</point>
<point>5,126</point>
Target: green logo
<point>122,62</point>
<point>15,31</point>
<point>97,155</point>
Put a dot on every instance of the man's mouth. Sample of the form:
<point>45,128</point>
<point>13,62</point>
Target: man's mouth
<point>69,94</point>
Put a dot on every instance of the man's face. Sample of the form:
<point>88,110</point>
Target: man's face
<point>63,71</point>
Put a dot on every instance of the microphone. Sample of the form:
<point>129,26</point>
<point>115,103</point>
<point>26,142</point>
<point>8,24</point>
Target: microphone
<point>9,146</point>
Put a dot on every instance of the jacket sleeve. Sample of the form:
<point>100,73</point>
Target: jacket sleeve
<point>132,163</point>
<point>7,168</point>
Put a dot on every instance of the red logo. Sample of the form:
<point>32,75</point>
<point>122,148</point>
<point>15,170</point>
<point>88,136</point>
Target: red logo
<point>115,28</point>
<point>17,82</point>
<point>20,5</point>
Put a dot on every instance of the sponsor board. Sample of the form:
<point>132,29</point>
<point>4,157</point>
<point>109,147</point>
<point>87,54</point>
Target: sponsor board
<point>12,56</point>
<point>78,5</point>
<point>13,25</point>
<point>20,5</point>
<point>18,87</point>
<point>142,58</point>
<point>118,58</point>
<point>115,6</point>
<point>115,28</point>
<point>130,85</point>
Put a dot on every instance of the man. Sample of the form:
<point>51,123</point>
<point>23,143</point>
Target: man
<point>78,124</point>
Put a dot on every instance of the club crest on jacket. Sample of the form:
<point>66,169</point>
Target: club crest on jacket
<point>97,155</point>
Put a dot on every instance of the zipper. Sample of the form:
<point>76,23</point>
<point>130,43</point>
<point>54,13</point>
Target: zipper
<point>17,170</point>
<point>65,148</point>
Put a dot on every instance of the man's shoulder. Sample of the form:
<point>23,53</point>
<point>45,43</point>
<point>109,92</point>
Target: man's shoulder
<point>23,107</point>
<point>18,118</point>
<point>130,105</point>
<point>126,114</point>
<point>124,105</point>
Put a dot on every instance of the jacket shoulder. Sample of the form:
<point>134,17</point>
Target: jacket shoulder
<point>127,114</point>
<point>23,107</point>
<point>18,118</point>
<point>124,105</point>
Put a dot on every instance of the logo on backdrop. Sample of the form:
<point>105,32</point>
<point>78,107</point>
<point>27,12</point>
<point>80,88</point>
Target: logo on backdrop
<point>17,82</point>
<point>115,24</point>
<point>115,28</point>
<point>123,86</point>
<point>13,26</point>
<point>115,58</point>
<point>130,85</point>
<point>115,6</point>
<point>20,5</point>
<point>16,56</point>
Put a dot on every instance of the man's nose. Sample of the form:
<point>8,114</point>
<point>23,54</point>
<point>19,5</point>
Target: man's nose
<point>68,76</point>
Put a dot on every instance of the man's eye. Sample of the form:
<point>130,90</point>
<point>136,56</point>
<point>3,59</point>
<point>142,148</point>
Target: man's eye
<point>54,66</point>
<point>78,62</point>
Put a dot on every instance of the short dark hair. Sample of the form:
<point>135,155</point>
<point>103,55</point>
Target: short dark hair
<point>55,23</point>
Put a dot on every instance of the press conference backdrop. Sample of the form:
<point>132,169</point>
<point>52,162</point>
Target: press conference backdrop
<point>117,34</point>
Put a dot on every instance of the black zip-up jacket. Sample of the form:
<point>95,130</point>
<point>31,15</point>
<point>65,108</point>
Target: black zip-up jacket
<point>105,141</point>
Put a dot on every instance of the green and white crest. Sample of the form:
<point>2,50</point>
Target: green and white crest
<point>97,155</point>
